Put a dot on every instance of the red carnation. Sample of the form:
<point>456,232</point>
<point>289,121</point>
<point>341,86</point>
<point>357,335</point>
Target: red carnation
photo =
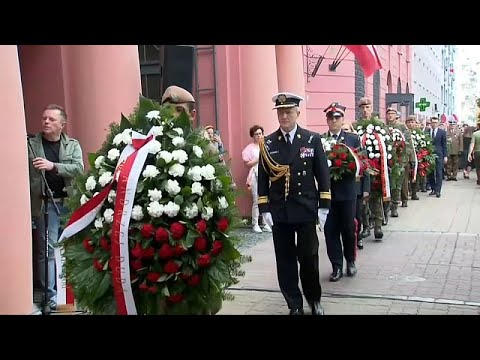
<point>105,244</point>
<point>152,289</point>
<point>333,155</point>
<point>201,226</point>
<point>203,260</point>
<point>97,264</point>
<point>336,147</point>
<point>217,247</point>
<point>147,231</point>
<point>88,245</point>
<point>352,166</point>
<point>178,230</point>
<point>175,298</point>
<point>143,287</point>
<point>200,244</point>
<point>337,163</point>
<point>194,280</point>
<point>171,267</point>
<point>161,235</point>
<point>179,250</point>
<point>137,251</point>
<point>184,276</point>
<point>148,252</point>
<point>343,156</point>
<point>166,251</point>
<point>153,276</point>
<point>136,265</point>
<point>222,224</point>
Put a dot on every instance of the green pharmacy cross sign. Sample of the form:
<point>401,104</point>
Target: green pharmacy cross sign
<point>423,104</point>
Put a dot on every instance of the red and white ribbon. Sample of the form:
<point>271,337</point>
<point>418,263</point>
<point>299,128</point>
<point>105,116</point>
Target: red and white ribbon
<point>357,161</point>
<point>127,173</point>
<point>384,167</point>
<point>415,169</point>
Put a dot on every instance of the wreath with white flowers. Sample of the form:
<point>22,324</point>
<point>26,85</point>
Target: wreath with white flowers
<point>181,254</point>
<point>425,152</point>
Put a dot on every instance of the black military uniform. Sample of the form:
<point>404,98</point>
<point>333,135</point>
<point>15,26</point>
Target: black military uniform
<point>341,218</point>
<point>287,173</point>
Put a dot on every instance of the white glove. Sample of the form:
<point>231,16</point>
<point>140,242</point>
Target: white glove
<point>267,217</point>
<point>322,217</point>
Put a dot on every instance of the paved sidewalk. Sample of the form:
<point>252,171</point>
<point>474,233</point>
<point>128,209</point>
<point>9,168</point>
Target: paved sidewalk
<point>430,254</point>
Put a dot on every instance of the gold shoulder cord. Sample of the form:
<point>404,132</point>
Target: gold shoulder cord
<point>275,168</point>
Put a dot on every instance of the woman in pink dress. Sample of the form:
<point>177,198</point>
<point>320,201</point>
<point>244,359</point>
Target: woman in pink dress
<point>250,156</point>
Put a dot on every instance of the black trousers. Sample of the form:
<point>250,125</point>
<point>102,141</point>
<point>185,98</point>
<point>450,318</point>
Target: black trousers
<point>341,221</point>
<point>358,217</point>
<point>436,178</point>
<point>306,252</point>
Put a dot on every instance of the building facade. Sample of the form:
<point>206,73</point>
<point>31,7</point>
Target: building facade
<point>449,57</point>
<point>468,86</point>
<point>428,78</point>
<point>233,85</point>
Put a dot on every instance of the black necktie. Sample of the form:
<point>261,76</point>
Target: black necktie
<point>287,139</point>
<point>335,137</point>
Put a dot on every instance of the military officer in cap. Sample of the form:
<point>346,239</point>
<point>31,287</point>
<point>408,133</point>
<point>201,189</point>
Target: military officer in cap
<point>183,102</point>
<point>341,218</point>
<point>292,161</point>
<point>411,180</point>
<point>455,150</point>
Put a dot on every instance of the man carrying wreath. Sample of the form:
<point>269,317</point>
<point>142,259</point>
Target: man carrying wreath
<point>341,218</point>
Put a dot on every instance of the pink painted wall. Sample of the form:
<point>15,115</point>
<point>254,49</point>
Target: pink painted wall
<point>327,86</point>
<point>42,80</point>
<point>100,82</point>
<point>205,92</point>
<point>16,281</point>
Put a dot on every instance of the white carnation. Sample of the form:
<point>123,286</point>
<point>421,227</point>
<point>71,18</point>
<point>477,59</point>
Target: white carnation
<point>113,154</point>
<point>137,213</point>
<point>195,173</point>
<point>197,188</point>
<point>369,131</point>
<point>359,127</point>
<point>150,171</point>
<point>90,183</point>
<point>178,141</point>
<point>428,142</point>
<point>387,137</point>
<point>222,202</point>
<point>360,132</point>
<point>370,126</point>
<point>371,155</point>
<point>171,209</point>
<point>156,130</point>
<point>111,196</point>
<point>377,128</point>
<point>154,114</point>
<point>154,147</point>
<point>179,131</point>
<point>155,195</point>
<point>377,147</point>
<point>124,137</point>
<point>155,209</point>
<point>108,215</point>
<point>389,147</point>
<point>197,150</point>
<point>176,170</point>
<point>180,156</point>
<point>377,155</point>
<point>83,199</point>
<point>191,211</point>
<point>389,156</point>
<point>105,179</point>
<point>368,142</point>
<point>99,161</point>
<point>423,136</point>
<point>329,162</point>
<point>382,131</point>
<point>208,172</point>
<point>165,155</point>
<point>370,148</point>
<point>172,187</point>
<point>207,213</point>
<point>98,223</point>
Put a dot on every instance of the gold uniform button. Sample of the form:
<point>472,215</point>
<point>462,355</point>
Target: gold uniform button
<point>304,163</point>
<point>299,193</point>
<point>299,184</point>
<point>299,174</point>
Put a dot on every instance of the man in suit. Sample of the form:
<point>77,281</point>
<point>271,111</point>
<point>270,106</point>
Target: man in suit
<point>439,140</point>
<point>292,161</point>
<point>341,218</point>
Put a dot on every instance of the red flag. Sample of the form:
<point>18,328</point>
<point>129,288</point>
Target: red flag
<point>367,57</point>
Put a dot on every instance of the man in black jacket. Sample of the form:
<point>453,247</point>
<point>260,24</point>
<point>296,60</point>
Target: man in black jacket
<point>292,161</point>
<point>341,218</point>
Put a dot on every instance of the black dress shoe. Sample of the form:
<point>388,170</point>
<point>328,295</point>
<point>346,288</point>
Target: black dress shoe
<point>351,268</point>
<point>360,243</point>
<point>296,312</point>
<point>438,195</point>
<point>336,275</point>
<point>432,193</point>
<point>365,233</point>
<point>317,309</point>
